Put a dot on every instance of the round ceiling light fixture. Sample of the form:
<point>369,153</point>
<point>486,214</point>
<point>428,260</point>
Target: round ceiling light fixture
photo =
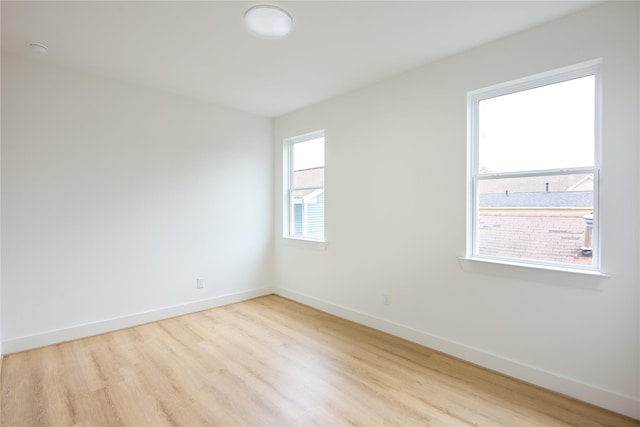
<point>38,47</point>
<point>268,21</point>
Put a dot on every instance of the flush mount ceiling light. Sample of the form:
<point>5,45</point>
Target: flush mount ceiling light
<point>268,21</point>
<point>38,47</point>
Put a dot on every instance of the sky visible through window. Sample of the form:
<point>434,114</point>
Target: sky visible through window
<point>308,154</point>
<point>548,127</point>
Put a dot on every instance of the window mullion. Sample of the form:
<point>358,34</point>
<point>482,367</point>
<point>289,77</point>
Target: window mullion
<point>307,188</point>
<point>547,172</point>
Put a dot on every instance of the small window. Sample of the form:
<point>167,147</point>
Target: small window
<point>304,170</point>
<point>534,169</point>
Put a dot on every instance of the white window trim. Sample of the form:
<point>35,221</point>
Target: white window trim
<point>287,211</point>
<point>583,69</point>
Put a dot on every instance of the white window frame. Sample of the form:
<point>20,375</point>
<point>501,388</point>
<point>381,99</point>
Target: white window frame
<point>288,215</point>
<point>589,68</point>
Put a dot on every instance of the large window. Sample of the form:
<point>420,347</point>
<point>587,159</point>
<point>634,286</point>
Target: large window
<point>304,169</point>
<point>534,169</point>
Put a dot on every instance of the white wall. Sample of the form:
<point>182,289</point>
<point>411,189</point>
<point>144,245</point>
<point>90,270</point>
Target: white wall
<point>116,198</point>
<point>1,351</point>
<point>395,219</point>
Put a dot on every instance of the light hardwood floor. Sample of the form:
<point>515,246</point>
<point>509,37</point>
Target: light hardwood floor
<point>268,362</point>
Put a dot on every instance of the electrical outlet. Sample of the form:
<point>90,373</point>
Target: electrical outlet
<point>386,299</point>
<point>199,283</point>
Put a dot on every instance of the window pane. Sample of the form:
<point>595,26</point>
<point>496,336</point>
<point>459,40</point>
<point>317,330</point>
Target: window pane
<point>308,154</point>
<point>549,127</point>
<point>547,218</point>
<point>313,177</point>
<point>308,213</point>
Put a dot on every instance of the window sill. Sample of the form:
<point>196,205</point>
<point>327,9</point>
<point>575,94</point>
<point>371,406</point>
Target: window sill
<point>297,242</point>
<point>539,273</point>
<point>468,263</point>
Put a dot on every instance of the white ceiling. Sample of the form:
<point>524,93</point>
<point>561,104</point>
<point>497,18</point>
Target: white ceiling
<point>201,49</point>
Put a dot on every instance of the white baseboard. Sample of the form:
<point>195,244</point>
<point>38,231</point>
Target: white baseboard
<point>626,405</point>
<point>94,328</point>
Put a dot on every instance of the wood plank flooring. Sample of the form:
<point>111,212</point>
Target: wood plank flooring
<point>268,362</point>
